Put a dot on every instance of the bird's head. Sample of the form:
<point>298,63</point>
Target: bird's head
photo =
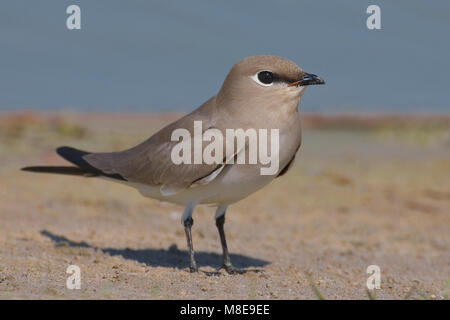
<point>265,82</point>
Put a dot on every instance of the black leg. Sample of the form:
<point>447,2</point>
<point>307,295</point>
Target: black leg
<point>226,263</point>
<point>188,223</point>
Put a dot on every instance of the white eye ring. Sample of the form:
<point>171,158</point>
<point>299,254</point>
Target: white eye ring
<point>256,79</point>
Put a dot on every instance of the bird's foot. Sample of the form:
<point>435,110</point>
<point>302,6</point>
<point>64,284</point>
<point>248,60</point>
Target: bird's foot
<point>193,268</point>
<point>230,269</point>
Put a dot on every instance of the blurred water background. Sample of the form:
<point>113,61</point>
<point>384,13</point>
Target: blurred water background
<point>173,55</point>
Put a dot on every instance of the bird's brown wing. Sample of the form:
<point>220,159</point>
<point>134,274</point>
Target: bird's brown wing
<point>150,162</point>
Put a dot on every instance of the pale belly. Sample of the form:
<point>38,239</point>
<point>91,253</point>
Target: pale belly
<point>233,184</point>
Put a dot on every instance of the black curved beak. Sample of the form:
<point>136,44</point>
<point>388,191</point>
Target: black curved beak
<point>308,79</point>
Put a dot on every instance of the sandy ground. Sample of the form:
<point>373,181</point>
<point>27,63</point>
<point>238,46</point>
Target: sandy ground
<point>354,198</point>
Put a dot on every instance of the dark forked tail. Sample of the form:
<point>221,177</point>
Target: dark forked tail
<point>74,171</point>
<point>75,156</point>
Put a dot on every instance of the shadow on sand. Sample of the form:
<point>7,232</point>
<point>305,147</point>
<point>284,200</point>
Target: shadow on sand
<point>172,257</point>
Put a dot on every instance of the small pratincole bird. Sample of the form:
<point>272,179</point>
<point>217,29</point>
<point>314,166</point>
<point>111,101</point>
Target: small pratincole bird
<point>259,92</point>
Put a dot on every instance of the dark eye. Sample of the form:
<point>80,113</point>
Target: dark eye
<point>265,77</point>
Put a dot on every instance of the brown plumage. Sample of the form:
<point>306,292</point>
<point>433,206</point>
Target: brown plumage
<point>260,92</point>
